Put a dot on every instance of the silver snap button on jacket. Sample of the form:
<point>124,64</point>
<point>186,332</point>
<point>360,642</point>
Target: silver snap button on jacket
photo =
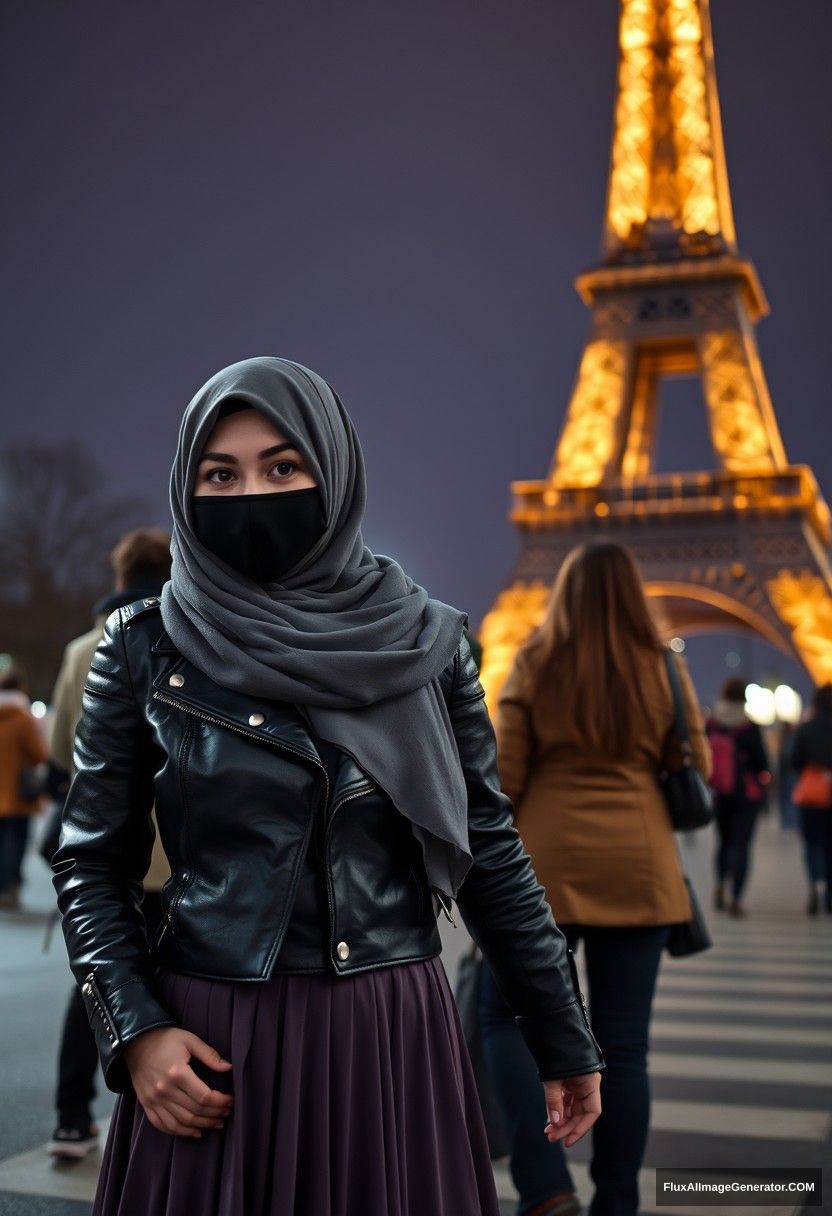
<point>342,950</point>
<point>257,719</point>
<point>176,681</point>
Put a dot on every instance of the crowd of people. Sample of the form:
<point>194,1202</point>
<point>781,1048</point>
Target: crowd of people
<point>568,777</point>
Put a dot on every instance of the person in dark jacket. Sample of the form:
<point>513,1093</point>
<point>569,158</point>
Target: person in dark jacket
<point>740,777</point>
<point>813,745</point>
<point>312,729</point>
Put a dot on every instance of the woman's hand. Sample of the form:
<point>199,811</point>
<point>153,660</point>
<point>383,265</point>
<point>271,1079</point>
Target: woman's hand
<point>174,1099</point>
<point>573,1105</point>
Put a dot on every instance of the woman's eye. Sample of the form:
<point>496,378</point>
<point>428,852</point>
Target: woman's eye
<point>219,476</point>
<point>285,468</point>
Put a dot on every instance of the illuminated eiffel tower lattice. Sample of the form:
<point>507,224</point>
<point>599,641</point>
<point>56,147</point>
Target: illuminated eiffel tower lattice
<point>743,546</point>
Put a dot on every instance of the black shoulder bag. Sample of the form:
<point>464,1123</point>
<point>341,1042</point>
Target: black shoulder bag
<point>690,803</point>
<point>688,796</point>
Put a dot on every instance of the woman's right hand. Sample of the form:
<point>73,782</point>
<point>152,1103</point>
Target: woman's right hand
<point>174,1098</point>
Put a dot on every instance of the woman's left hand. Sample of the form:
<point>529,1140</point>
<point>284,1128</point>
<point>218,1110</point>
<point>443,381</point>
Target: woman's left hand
<point>573,1106</point>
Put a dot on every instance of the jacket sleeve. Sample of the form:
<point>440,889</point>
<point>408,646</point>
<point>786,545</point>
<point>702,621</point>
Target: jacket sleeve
<point>103,853</point>
<point>504,906</point>
<point>63,722</point>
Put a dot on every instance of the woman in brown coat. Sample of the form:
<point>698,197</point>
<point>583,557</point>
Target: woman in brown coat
<point>584,725</point>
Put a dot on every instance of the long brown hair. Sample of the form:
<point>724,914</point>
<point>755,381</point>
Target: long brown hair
<point>596,627</point>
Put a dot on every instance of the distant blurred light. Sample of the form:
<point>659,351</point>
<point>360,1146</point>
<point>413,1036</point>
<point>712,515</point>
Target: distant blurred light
<point>732,659</point>
<point>39,709</point>
<point>5,662</point>
<point>788,703</point>
<point>677,645</point>
<point>759,704</point>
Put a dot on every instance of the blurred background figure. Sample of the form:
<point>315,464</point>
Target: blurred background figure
<point>22,757</point>
<point>786,777</point>
<point>739,779</point>
<point>584,725</point>
<point>141,565</point>
<point>811,756</point>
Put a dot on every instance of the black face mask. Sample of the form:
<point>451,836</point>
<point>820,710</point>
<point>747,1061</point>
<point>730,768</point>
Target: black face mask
<point>261,535</point>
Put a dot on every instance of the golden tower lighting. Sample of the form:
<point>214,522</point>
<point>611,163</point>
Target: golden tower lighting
<point>744,546</point>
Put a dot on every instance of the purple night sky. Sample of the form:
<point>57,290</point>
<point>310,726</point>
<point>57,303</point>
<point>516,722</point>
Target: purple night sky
<point>399,196</point>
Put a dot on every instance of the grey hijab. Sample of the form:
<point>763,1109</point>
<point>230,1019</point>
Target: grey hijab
<point>346,634</point>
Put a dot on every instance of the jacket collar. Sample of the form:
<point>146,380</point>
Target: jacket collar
<point>283,724</point>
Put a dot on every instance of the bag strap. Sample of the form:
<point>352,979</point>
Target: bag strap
<point>680,722</point>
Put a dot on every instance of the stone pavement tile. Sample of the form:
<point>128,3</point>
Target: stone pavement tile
<point>34,1205</point>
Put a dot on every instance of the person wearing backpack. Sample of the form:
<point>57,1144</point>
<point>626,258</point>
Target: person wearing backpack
<point>739,778</point>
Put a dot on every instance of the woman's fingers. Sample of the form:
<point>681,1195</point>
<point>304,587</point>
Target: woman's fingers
<point>163,1122</point>
<point>202,1051</point>
<point>194,1094</point>
<point>582,1126</point>
<point>554,1102</point>
<point>579,1107</point>
<point>187,1118</point>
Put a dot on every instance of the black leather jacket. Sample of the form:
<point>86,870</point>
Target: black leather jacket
<point>238,785</point>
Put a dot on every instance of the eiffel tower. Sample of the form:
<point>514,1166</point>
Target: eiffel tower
<point>741,547</point>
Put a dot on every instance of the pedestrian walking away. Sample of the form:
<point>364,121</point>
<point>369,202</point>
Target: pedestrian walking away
<point>22,753</point>
<point>811,758</point>
<point>740,781</point>
<point>288,1041</point>
<point>585,726</point>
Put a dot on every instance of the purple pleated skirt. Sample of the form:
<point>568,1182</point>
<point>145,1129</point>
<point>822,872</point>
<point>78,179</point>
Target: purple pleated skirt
<point>353,1096</point>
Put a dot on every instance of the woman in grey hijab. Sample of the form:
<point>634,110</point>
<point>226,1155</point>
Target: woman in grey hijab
<point>340,1083</point>
<point>344,633</point>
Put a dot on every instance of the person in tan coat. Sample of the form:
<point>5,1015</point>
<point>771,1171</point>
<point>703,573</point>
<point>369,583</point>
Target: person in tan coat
<point>584,725</point>
<point>22,749</point>
<point>141,565</point>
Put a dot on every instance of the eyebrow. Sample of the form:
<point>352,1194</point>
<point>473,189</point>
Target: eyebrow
<point>227,458</point>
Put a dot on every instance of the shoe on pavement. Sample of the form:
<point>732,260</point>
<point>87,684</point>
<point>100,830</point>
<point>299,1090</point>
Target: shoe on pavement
<point>564,1204</point>
<point>73,1139</point>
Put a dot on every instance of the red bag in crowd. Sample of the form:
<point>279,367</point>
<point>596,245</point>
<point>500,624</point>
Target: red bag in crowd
<point>814,788</point>
<point>723,778</point>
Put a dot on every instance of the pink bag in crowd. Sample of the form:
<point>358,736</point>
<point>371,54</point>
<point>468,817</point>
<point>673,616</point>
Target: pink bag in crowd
<point>723,778</point>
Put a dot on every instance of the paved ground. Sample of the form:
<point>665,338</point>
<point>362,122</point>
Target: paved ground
<point>741,1046</point>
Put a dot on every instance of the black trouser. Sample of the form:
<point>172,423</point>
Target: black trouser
<point>622,967</point>
<point>14,836</point>
<point>78,1056</point>
<point>816,826</point>
<point>735,820</point>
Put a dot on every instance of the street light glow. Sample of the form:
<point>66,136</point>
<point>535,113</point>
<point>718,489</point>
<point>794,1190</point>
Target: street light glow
<point>788,704</point>
<point>759,704</point>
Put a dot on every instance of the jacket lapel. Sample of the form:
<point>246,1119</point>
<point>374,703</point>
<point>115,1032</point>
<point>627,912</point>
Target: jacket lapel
<point>179,682</point>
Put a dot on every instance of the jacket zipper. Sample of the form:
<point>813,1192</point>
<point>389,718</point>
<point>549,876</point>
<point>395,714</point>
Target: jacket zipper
<point>329,896</point>
<point>166,922</point>
<point>241,730</point>
<point>90,987</point>
<point>420,896</point>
